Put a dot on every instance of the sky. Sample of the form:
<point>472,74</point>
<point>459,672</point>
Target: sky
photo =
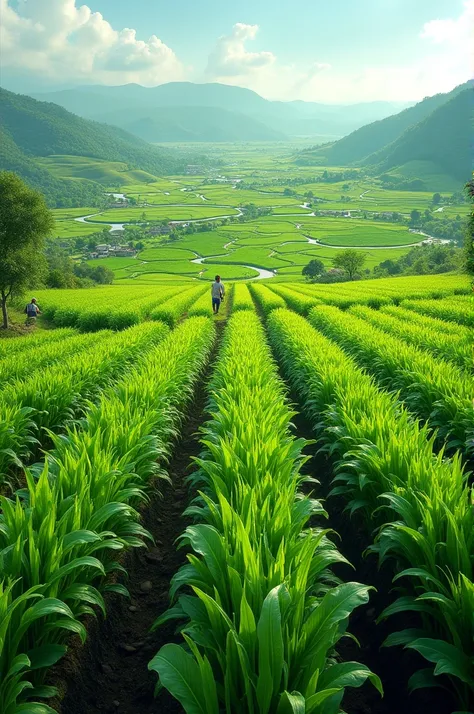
<point>333,51</point>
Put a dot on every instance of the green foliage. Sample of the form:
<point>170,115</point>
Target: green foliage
<point>425,333</point>
<point>266,298</point>
<point>469,236</point>
<point>78,510</point>
<point>242,299</point>
<point>314,268</point>
<point>265,611</point>
<point>352,261</point>
<point>452,121</point>
<point>380,453</point>
<point>48,399</point>
<point>432,388</point>
<point>422,260</point>
<point>24,223</point>
<point>375,136</point>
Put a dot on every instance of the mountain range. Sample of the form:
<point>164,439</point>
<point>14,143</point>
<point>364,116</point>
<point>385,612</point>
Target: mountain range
<point>30,129</point>
<point>432,138</point>
<point>426,146</point>
<point>183,111</point>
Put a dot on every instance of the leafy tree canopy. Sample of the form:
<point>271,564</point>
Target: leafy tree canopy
<point>25,221</point>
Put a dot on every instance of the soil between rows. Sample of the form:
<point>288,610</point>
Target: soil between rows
<point>393,665</point>
<point>110,673</point>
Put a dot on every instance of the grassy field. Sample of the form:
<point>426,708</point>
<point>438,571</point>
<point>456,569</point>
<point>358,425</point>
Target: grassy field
<point>73,229</point>
<point>166,254</point>
<point>161,213</point>
<point>109,173</point>
<point>277,241</point>
<point>351,232</point>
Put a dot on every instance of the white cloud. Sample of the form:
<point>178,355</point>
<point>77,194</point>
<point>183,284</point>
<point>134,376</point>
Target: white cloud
<point>444,61</point>
<point>66,42</point>
<point>231,58</point>
<point>456,32</point>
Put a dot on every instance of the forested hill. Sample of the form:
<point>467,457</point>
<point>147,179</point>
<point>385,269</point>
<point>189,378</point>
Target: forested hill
<point>368,139</point>
<point>43,129</point>
<point>443,139</point>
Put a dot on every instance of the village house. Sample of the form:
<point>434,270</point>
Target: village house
<point>159,230</point>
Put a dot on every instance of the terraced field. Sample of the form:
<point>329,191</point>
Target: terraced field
<point>139,390</point>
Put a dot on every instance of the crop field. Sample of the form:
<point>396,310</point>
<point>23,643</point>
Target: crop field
<point>270,177</point>
<point>143,405</point>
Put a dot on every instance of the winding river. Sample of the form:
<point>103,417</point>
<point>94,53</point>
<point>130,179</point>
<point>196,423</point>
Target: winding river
<point>263,273</point>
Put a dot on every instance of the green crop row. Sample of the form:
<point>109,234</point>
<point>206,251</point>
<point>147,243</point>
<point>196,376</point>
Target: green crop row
<point>298,301</point>
<point>450,347</point>
<point>60,540</point>
<point>433,389</point>
<point>44,402</point>
<point>416,318</point>
<point>25,363</point>
<point>18,345</point>
<point>262,610</point>
<point>265,298</point>
<point>112,308</point>
<point>448,309</point>
<point>242,299</point>
<point>417,500</point>
<point>203,305</point>
<point>171,310</point>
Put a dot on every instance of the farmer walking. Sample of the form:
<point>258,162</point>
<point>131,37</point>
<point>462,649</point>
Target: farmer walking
<point>217,292</point>
<point>32,311</point>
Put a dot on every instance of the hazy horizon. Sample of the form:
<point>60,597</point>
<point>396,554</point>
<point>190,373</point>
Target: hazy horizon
<point>332,54</point>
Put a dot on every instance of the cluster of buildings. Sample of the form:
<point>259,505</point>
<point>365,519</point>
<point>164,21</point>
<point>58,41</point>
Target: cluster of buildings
<point>335,214</point>
<point>104,250</point>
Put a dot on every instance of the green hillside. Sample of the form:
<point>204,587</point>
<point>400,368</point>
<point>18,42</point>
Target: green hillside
<point>43,129</point>
<point>443,139</point>
<point>371,138</point>
<point>58,191</point>
<point>108,173</point>
<point>179,124</point>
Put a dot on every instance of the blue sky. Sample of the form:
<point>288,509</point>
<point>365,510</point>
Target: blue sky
<point>333,51</point>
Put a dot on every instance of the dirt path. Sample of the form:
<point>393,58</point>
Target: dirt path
<point>110,673</point>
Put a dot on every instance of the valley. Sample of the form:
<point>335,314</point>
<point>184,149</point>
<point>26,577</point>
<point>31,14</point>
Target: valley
<point>303,216</point>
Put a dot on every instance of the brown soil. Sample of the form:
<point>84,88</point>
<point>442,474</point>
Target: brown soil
<point>110,673</point>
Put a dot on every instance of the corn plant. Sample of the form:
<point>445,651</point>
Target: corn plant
<point>449,347</point>
<point>387,470</point>
<point>433,389</point>
<point>50,398</point>
<point>61,536</point>
<point>265,298</point>
<point>265,611</point>
<point>453,310</point>
<point>242,299</point>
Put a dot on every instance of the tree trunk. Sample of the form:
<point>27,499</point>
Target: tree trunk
<point>4,310</point>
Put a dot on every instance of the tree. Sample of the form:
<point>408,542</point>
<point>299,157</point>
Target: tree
<point>415,217</point>
<point>313,269</point>
<point>350,260</point>
<point>25,221</point>
<point>436,199</point>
